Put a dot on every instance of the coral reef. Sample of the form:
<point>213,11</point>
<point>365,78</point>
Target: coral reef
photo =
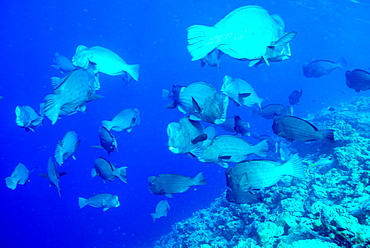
<point>330,209</point>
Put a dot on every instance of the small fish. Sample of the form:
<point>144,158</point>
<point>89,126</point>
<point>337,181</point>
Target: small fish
<point>168,184</point>
<point>67,147</point>
<point>358,80</point>
<point>107,140</point>
<point>19,176</point>
<point>105,201</point>
<point>295,97</point>
<point>212,59</point>
<point>27,118</point>
<point>185,136</point>
<point>241,92</point>
<point>161,210</point>
<point>272,110</point>
<point>237,126</point>
<point>108,171</point>
<point>53,174</point>
<point>245,34</point>
<point>1,98</point>
<point>293,128</point>
<point>105,61</point>
<point>259,174</point>
<point>230,149</point>
<point>318,68</point>
<point>63,64</point>
<point>70,94</point>
<point>125,120</point>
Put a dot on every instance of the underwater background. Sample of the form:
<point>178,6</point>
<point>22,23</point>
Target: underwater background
<point>152,34</point>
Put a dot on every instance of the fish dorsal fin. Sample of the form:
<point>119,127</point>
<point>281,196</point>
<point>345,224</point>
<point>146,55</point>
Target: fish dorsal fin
<point>285,39</point>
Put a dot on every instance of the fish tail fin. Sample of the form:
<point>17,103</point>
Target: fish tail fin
<point>199,179</point>
<point>200,41</point>
<point>154,216</point>
<point>328,135</point>
<point>11,183</point>
<point>261,148</point>
<point>166,94</point>
<point>107,124</point>
<point>51,108</point>
<point>82,202</point>
<point>121,174</point>
<point>58,155</point>
<point>294,166</point>
<point>342,63</point>
<point>134,71</point>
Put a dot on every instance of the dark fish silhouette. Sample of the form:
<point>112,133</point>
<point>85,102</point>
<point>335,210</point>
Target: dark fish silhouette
<point>358,80</point>
<point>295,97</point>
<point>293,128</point>
<point>318,68</point>
<point>237,126</point>
<point>167,184</point>
<point>272,110</point>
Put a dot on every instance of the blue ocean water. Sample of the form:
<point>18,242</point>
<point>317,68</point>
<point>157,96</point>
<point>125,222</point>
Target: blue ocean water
<point>152,34</point>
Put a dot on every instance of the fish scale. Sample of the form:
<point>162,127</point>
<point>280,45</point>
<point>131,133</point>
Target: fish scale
<point>264,173</point>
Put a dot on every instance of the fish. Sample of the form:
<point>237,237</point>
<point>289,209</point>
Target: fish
<point>241,92</point>
<point>293,128</point>
<point>161,210</point>
<point>1,98</point>
<point>230,149</point>
<point>185,135</point>
<point>105,61</point>
<point>67,147</point>
<point>63,64</point>
<point>237,126</point>
<point>108,171</point>
<point>126,119</point>
<point>27,118</point>
<point>202,102</point>
<point>212,59</point>
<point>105,201</point>
<point>53,174</point>
<point>260,174</point>
<point>295,97</point>
<point>168,184</point>
<point>19,176</point>
<point>107,140</point>
<point>272,110</point>
<point>70,94</point>
<point>358,80</point>
<point>318,68</point>
<point>246,33</point>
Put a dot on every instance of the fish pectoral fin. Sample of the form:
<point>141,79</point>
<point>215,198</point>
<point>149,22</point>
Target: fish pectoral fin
<point>199,138</point>
<point>105,209</point>
<point>253,62</point>
<point>224,157</point>
<point>196,106</point>
<point>242,95</point>
<point>266,60</point>
<point>169,195</point>
<point>285,39</point>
